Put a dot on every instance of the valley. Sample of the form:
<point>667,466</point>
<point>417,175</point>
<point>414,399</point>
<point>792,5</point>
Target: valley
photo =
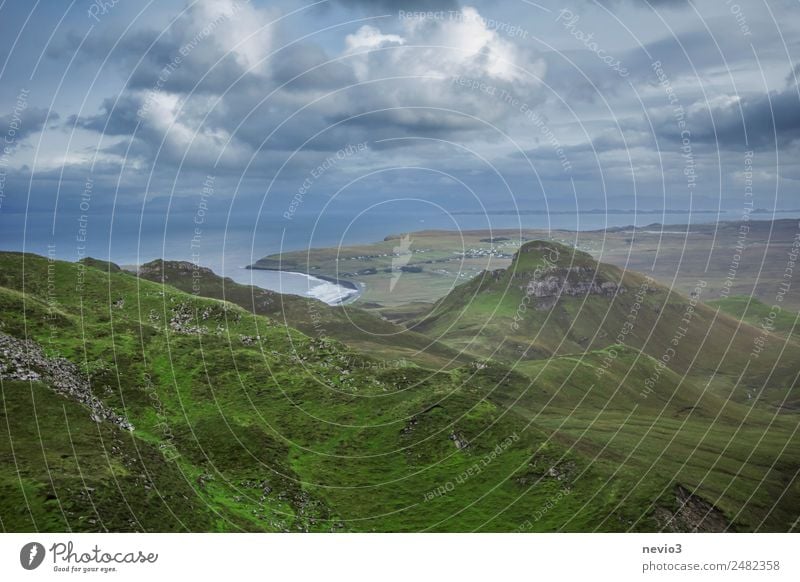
<point>548,392</point>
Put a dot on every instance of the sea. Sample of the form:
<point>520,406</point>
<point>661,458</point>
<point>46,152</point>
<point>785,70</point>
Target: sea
<point>228,244</point>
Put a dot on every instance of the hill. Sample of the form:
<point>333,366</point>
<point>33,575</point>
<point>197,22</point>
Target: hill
<point>757,251</point>
<point>781,321</point>
<point>389,344</point>
<point>556,300</point>
<point>133,406</point>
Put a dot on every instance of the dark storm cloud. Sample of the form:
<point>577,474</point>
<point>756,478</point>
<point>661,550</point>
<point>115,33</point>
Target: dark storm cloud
<point>148,60</point>
<point>25,122</point>
<point>792,77</point>
<point>665,2</point>
<point>580,74</point>
<point>771,120</point>
<point>419,121</point>
<point>390,83</point>
<point>118,116</point>
<point>297,93</point>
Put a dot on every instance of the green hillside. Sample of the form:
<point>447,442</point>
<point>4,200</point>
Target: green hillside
<point>130,405</point>
<point>751,310</point>
<point>359,329</point>
<point>555,300</point>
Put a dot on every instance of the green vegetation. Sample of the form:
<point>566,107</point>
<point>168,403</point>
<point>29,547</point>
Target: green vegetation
<point>400,270</point>
<point>361,330</point>
<point>244,423</point>
<point>556,300</point>
<point>757,252</point>
<point>780,321</point>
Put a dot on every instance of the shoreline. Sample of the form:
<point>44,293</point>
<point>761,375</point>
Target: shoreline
<point>355,289</point>
<point>341,282</point>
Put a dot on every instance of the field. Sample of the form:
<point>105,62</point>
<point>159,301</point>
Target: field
<point>733,258</point>
<point>240,421</point>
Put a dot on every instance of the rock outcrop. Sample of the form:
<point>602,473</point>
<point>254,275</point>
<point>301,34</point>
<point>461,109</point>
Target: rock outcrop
<point>26,361</point>
<point>691,513</point>
<point>572,282</point>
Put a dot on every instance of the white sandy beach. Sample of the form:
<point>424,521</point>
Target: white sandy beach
<point>295,284</point>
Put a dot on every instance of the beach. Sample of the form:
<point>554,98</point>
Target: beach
<point>326,289</point>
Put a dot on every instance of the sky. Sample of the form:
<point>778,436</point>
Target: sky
<point>284,109</point>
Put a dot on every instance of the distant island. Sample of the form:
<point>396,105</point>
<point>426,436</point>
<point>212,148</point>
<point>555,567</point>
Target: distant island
<point>529,211</point>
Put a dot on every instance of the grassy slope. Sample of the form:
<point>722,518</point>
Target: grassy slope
<point>441,259</point>
<point>735,455</point>
<point>757,313</point>
<point>479,316</point>
<point>338,445</point>
<point>386,342</point>
<point>674,254</point>
<point>338,450</point>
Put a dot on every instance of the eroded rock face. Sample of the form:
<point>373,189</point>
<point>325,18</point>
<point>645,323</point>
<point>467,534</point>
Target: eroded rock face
<point>691,513</point>
<point>572,282</point>
<point>26,361</point>
<point>158,269</point>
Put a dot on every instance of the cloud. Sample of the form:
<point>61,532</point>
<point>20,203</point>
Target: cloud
<point>26,122</point>
<point>208,47</point>
<point>382,84</point>
<point>369,37</point>
<point>733,123</point>
<point>397,5</point>
<point>409,86</point>
<point>644,3</point>
<point>307,67</point>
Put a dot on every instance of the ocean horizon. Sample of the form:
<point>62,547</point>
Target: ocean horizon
<point>228,249</point>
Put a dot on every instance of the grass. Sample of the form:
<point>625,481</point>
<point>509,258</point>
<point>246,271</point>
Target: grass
<point>751,310</point>
<point>389,344</point>
<point>493,316</point>
<point>677,255</point>
<point>246,424</point>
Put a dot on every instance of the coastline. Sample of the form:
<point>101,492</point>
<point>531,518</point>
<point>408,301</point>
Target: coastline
<point>341,282</point>
<point>354,289</point>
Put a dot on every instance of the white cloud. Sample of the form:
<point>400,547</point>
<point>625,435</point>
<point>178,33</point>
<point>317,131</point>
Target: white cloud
<point>234,27</point>
<point>461,43</point>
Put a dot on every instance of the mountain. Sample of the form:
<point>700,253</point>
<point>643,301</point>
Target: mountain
<point>361,330</point>
<point>556,300</point>
<point>131,405</point>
